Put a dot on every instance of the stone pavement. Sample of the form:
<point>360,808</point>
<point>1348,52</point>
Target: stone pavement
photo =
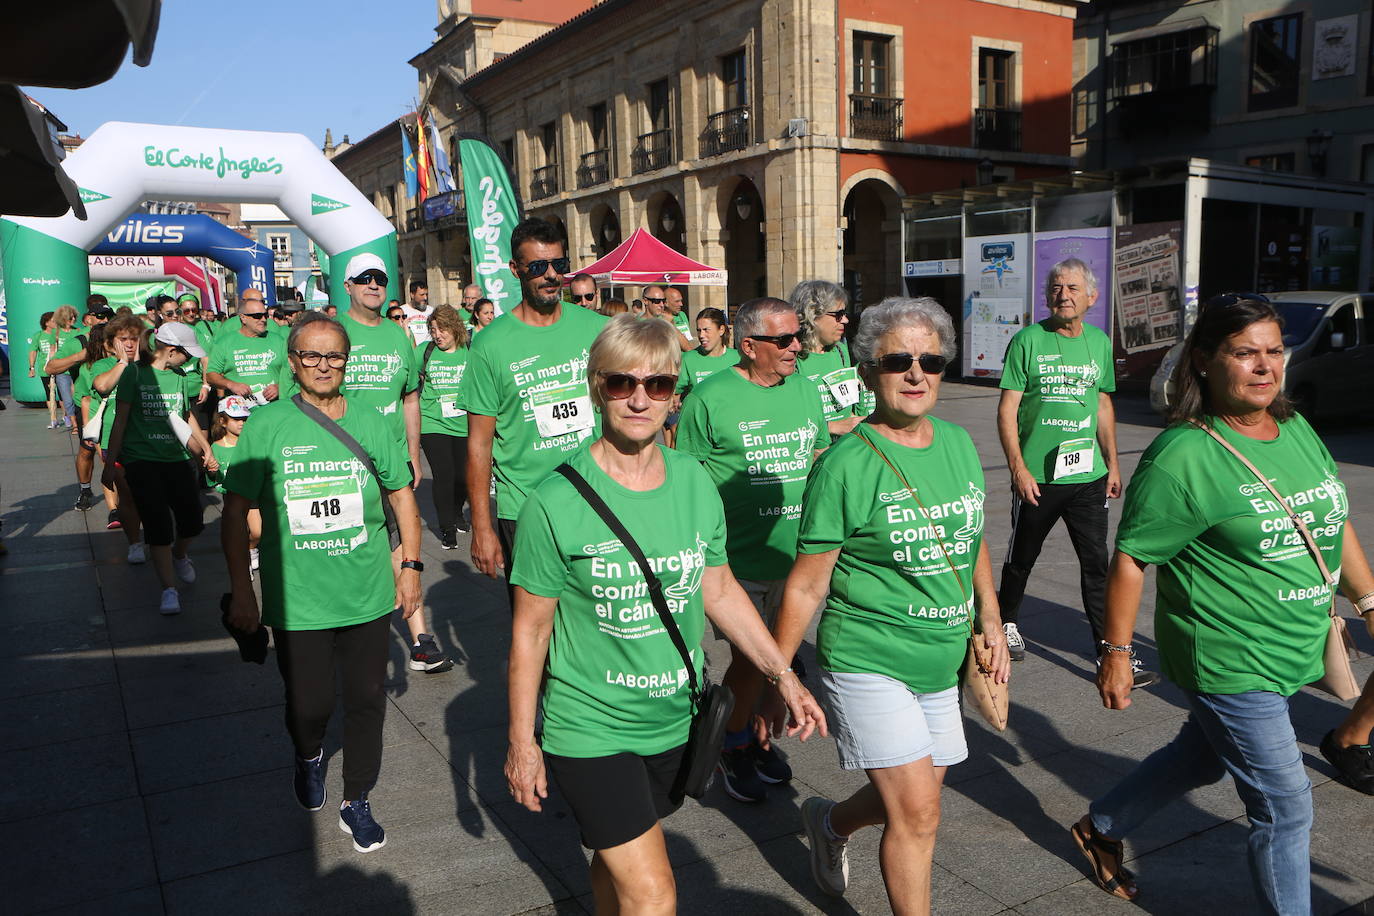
<point>147,770</point>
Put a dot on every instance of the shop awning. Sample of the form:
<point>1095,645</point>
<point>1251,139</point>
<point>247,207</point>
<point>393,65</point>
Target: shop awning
<point>642,260</point>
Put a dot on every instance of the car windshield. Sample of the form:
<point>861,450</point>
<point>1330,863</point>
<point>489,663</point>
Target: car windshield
<point>1300,319</point>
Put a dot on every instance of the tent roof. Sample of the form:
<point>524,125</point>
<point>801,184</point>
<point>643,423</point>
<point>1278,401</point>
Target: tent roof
<point>642,259</point>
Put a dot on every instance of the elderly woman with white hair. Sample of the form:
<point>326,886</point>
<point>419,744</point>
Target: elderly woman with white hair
<point>891,545</point>
<point>617,707</point>
<point>823,310</point>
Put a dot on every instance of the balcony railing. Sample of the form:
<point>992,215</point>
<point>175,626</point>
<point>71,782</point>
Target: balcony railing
<point>652,151</point>
<point>725,131</point>
<point>281,257</point>
<point>874,117</point>
<point>544,182</point>
<point>997,128</point>
<point>594,168</point>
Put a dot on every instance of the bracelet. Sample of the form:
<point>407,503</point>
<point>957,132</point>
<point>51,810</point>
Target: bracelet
<point>1365,603</point>
<point>1127,649</point>
<point>774,678</point>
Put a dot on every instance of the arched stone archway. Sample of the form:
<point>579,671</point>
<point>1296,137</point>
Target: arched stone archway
<point>606,234</point>
<point>741,210</point>
<point>872,206</point>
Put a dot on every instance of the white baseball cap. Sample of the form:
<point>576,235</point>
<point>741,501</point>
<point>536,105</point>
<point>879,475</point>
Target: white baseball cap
<point>176,334</point>
<point>236,407</point>
<point>362,263</point>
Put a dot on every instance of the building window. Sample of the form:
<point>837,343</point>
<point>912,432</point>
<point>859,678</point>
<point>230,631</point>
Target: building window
<point>284,280</point>
<point>508,151</point>
<point>280,244</point>
<point>1274,162</point>
<point>735,79</point>
<point>872,64</point>
<point>994,79</point>
<point>544,180</point>
<point>660,106</point>
<point>1275,49</point>
<point>599,126</point>
<point>996,123</point>
<point>654,149</point>
<point>1165,63</point>
<point>595,164</point>
<point>1367,162</point>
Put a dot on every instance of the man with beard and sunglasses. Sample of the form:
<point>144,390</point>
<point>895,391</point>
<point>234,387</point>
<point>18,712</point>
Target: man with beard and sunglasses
<point>525,392</point>
<point>756,428</point>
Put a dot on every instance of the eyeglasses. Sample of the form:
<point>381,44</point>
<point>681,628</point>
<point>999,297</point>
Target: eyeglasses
<point>583,297</point>
<point>190,311</point>
<point>781,341</point>
<point>655,301</point>
<point>930,363</point>
<point>310,359</point>
<point>370,276</point>
<point>252,314</point>
<point>539,268</point>
<point>399,316</point>
<point>838,314</point>
<point>620,385</point>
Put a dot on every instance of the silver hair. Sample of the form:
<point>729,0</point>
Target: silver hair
<point>901,312</point>
<point>1066,265</point>
<point>811,299</point>
<point>749,319</point>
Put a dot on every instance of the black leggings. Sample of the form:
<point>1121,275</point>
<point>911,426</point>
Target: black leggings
<point>448,466</point>
<point>167,499</point>
<point>307,660</point>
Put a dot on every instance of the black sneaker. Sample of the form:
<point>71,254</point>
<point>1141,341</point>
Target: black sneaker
<point>355,819</point>
<point>462,524</point>
<point>112,522</point>
<point>84,501</point>
<point>425,656</point>
<point>1142,677</point>
<point>448,538</point>
<point>1354,765</point>
<point>309,783</point>
<point>739,776</point>
<point>769,764</point>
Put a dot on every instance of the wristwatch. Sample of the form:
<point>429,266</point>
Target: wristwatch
<point>413,564</point>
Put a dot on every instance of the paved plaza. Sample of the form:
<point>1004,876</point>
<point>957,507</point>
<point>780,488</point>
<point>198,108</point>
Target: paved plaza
<point>147,770</point>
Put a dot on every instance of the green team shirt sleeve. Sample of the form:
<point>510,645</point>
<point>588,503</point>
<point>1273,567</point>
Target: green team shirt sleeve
<point>1159,518</point>
<point>826,521</point>
<point>1014,375</point>
<point>694,429</point>
<point>478,392</point>
<point>542,570</point>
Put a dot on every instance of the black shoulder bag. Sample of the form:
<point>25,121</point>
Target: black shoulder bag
<point>424,365</point>
<point>711,703</point>
<point>338,432</point>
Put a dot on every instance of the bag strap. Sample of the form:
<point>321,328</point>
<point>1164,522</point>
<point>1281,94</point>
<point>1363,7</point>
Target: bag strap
<point>655,585</point>
<point>424,364</point>
<point>1298,523</point>
<point>393,530</point>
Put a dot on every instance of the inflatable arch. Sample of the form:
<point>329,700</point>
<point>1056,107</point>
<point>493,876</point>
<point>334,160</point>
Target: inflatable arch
<point>123,164</point>
<point>148,268</point>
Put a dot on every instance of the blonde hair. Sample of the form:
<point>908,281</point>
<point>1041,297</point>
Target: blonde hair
<point>447,318</point>
<point>627,342</point>
<point>63,313</point>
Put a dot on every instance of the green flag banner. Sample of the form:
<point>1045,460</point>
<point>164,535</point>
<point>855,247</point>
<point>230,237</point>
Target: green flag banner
<point>493,210</point>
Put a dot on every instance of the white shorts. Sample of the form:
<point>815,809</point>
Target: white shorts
<point>878,722</point>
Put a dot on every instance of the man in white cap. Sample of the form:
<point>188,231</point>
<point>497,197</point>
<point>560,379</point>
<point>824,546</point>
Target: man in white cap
<point>384,373</point>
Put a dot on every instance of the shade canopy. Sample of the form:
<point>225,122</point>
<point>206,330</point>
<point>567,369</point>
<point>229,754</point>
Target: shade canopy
<point>642,260</point>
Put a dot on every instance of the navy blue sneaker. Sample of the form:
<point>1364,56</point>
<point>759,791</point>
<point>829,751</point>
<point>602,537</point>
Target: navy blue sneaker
<point>309,782</point>
<point>769,764</point>
<point>355,818</point>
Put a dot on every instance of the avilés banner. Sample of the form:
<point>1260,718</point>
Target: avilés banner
<point>493,210</point>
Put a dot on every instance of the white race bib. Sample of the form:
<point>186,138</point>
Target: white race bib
<point>559,411</point>
<point>843,385</point>
<point>448,406</point>
<point>322,505</point>
<point>1074,457</point>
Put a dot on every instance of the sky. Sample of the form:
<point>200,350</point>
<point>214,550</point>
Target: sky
<point>282,65</point>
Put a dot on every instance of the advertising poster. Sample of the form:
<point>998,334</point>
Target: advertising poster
<point>1147,285</point>
<point>997,272</point>
<point>1335,257</point>
<point>1091,246</point>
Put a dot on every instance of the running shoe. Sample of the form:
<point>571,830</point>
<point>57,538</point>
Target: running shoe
<point>53,425</point>
<point>1140,676</point>
<point>83,501</point>
<point>448,538</point>
<point>309,782</point>
<point>739,777</point>
<point>829,858</point>
<point>1354,765</point>
<point>112,522</point>
<point>253,559</point>
<point>1015,644</point>
<point>171,603</point>
<point>425,656</point>
<point>464,522</point>
<point>355,819</point>
<point>769,763</point>
<point>137,555</point>
<point>186,570</point>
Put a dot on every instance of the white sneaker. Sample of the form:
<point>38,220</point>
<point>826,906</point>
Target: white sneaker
<point>171,602</point>
<point>136,554</point>
<point>1016,646</point>
<point>252,559</point>
<point>186,570</point>
<point>829,858</point>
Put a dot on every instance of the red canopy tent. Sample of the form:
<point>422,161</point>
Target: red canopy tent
<point>642,259</point>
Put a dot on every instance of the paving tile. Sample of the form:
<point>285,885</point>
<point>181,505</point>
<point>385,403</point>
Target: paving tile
<point>195,692</point>
<point>52,637</point>
<point>46,672</point>
<point>93,770</point>
<point>61,715</point>
<point>144,901</point>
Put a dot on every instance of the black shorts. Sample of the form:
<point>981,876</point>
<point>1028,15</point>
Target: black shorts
<point>167,499</point>
<point>617,798</point>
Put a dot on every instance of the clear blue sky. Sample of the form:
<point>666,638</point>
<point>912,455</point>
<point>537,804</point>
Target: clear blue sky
<point>289,65</point>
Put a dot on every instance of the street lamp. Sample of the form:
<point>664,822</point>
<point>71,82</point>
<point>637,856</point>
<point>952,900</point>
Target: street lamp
<point>668,221</point>
<point>1318,145</point>
<point>743,206</point>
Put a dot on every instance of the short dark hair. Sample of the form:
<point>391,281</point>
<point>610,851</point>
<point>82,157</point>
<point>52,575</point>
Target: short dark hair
<point>712,314</point>
<point>95,300</point>
<point>1219,318</point>
<point>418,284</point>
<point>534,230</point>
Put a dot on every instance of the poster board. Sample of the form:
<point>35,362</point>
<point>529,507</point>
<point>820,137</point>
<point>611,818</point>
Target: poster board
<point>1147,287</point>
<point>997,271</point>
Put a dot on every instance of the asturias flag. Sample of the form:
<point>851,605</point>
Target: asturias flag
<point>408,160</point>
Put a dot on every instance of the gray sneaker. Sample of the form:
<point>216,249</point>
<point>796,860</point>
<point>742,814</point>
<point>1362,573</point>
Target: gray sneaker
<point>1016,646</point>
<point>829,859</point>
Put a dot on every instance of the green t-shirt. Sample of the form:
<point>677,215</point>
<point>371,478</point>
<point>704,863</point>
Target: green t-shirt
<point>42,344</point>
<point>697,367</point>
<point>1057,420</point>
<point>153,394</point>
<point>252,361</point>
<point>439,410</point>
<point>205,334</point>
<point>382,368</point>
<point>224,456</point>
<point>895,608</point>
<point>326,557</point>
<point>85,387</point>
<point>69,343</point>
<point>835,378</point>
<point>1241,604</point>
<point>533,380</point>
<point>615,682</point>
<point>683,324</point>
<point>757,445</point>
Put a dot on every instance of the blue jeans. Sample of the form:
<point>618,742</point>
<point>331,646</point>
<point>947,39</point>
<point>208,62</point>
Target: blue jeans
<point>1250,736</point>
<point>63,381</point>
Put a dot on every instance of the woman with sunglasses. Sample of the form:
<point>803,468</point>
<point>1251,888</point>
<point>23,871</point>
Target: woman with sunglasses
<point>1242,610</point>
<point>823,310</point>
<point>443,424</point>
<point>616,704</point>
<point>396,314</point>
<point>891,545</point>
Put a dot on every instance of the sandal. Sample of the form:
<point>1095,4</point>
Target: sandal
<point>1105,855</point>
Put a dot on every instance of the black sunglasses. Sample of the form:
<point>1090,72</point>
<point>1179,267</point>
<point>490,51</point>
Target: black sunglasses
<point>539,268</point>
<point>397,316</point>
<point>838,314</point>
<point>620,385</point>
<point>370,276</point>
<point>781,341</point>
<point>252,314</point>
<point>655,301</point>
<point>583,297</point>
<point>930,363</point>
<point>1221,300</point>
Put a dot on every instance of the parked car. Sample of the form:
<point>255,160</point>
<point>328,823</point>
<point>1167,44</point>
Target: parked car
<point>1328,352</point>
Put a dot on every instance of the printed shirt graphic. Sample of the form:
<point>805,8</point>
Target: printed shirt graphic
<point>615,681</point>
<point>757,444</point>
<point>253,361</point>
<point>439,410</point>
<point>698,367</point>
<point>515,370</point>
<point>418,323</point>
<point>326,557</point>
<point>895,608</point>
<point>683,324</point>
<point>382,367</point>
<point>153,394</point>
<point>1061,378</point>
<point>43,344</point>
<point>1241,603</point>
<point>825,370</point>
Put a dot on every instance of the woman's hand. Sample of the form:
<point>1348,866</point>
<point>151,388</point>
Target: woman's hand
<point>243,611</point>
<point>408,596</point>
<point>1114,680</point>
<point>525,775</point>
<point>994,656</point>
<point>804,714</point>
